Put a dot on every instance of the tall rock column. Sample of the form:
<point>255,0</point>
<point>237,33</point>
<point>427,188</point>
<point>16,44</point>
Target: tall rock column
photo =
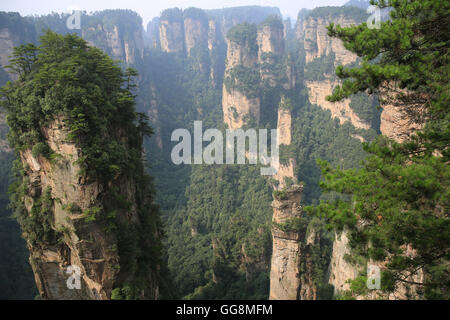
<point>271,49</point>
<point>195,33</point>
<point>240,100</point>
<point>286,254</point>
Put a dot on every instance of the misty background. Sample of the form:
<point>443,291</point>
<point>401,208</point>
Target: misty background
<point>151,9</point>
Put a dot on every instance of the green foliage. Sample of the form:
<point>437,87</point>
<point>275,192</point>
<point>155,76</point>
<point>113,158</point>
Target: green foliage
<point>90,215</point>
<point>366,108</point>
<point>173,15</point>
<point>273,21</point>
<point>41,149</point>
<point>321,68</point>
<point>280,194</point>
<point>229,219</point>
<point>196,14</point>
<point>127,292</point>
<point>298,225</point>
<point>244,35</point>
<point>243,79</point>
<point>84,85</point>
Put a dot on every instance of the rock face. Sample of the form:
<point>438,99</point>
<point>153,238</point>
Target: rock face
<point>195,34</point>
<point>285,266</point>
<point>312,32</point>
<point>319,90</point>
<point>284,126</point>
<point>317,42</point>
<point>271,40</point>
<point>340,270</point>
<point>271,49</point>
<point>81,244</point>
<point>395,124</point>
<point>112,39</point>
<point>6,46</point>
<point>236,105</point>
<point>152,34</point>
<point>171,35</point>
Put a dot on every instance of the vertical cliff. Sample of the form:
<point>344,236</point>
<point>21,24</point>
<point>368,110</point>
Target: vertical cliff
<point>292,268</point>
<point>284,127</point>
<point>285,266</point>
<point>117,32</point>
<point>151,37</point>
<point>81,195</point>
<point>171,31</point>
<point>314,34</point>
<point>340,269</point>
<point>196,29</point>
<point>323,54</point>
<point>271,49</point>
<point>240,99</point>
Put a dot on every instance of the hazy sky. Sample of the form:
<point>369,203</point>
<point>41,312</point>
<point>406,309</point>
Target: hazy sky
<point>151,8</point>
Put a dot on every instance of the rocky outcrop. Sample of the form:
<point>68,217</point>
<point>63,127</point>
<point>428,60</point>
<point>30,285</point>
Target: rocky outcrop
<point>236,105</point>
<point>112,39</point>
<point>292,267</point>
<point>171,36</point>
<point>284,126</point>
<point>312,32</point>
<point>285,266</point>
<point>270,41</point>
<point>81,244</point>
<point>317,43</point>
<point>270,50</point>
<point>318,92</point>
<point>212,34</point>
